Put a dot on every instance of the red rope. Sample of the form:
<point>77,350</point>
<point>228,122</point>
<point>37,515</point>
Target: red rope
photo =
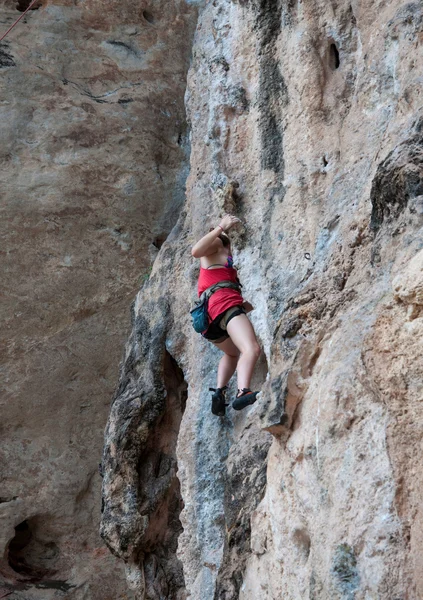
<point>17,20</point>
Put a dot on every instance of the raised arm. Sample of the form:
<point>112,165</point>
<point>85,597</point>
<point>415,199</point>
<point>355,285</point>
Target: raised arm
<point>208,243</point>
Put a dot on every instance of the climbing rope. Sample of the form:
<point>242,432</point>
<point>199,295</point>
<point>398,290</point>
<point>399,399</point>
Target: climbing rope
<point>17,20</point>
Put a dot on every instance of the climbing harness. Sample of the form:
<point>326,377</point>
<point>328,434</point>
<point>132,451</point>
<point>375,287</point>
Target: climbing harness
<point>17,20</point>
<point>199,314</point>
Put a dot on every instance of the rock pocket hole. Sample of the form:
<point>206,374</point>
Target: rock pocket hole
<point>29,556</point>
<point>334,61</point>
<point>148,16</point>
<point>159,241</point>
<point>22,5</point>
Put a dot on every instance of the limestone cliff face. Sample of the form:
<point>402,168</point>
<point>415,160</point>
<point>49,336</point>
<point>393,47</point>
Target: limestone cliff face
<point>94,158</point>
<point>305,119</point>
<point>306,122</point>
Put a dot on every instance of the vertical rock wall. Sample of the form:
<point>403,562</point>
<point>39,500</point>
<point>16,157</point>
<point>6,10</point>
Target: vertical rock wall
<point>93,163</point>
<point>306,122</point>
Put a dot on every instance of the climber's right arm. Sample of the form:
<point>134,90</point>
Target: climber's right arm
<point>209,244</point>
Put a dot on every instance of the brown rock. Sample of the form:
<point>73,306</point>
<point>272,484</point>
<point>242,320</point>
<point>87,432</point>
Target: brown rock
<point>306,121</point>
<point>94,159</point>
<point>326,154</point>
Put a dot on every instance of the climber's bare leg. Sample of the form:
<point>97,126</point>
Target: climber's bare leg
<point>244,338</point>
<point>228,362</point>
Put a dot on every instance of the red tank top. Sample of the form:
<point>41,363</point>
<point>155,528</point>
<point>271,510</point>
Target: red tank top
<point>224,298</point>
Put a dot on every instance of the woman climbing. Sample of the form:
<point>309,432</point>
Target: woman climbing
<point>229,328</point>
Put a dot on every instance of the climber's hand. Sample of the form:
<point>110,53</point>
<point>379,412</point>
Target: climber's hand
<point>247,306</point>
<point>228,221</point>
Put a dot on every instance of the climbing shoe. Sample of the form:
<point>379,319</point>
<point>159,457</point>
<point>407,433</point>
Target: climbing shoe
<point>219,401</point>
<point>244,398</point>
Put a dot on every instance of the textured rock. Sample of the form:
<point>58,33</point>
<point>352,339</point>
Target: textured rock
<point>93,165</point>
<point>408,285</point>
<point>306,122</point>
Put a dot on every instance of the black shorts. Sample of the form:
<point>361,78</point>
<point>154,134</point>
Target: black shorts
<point>216,331</point>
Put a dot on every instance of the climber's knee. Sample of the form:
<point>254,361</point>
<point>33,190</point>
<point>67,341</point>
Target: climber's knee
<point>253,351</point>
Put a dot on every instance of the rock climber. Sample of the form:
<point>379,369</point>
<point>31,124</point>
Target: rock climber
<point>229,327</point>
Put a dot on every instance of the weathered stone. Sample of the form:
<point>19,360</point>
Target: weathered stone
<point>398,180</point>
<point>337,98</point>
<point>408,285</point>
<point>305,121</point>
<point>93,156</point>
<point>344,569</point>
